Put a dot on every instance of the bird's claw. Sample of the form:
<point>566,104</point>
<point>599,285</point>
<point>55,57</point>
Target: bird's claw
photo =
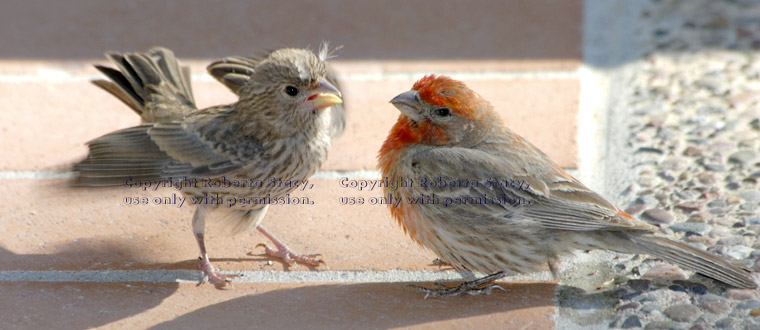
<point>289,257</point>
<point>213,275</point>
<point>486,289</point>
<point>448,291</point>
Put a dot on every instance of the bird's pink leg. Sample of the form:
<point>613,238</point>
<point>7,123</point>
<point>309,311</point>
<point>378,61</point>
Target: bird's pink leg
<point>214,276</point>
<point>283,251</point>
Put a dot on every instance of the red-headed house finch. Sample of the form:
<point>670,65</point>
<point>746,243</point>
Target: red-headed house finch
<point>278,130</point>
<point>505,206</point>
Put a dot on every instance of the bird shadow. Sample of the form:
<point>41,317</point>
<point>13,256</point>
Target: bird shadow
<point>50,305</point>
<point>365,305</point>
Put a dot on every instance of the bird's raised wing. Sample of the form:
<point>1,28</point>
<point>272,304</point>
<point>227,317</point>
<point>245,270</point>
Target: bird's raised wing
<point>233,71</point>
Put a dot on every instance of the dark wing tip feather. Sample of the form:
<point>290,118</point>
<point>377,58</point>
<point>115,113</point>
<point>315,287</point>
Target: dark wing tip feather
<point>702,262</point>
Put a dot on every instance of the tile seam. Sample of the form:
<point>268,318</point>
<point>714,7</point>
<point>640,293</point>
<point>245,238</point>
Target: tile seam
<point>248,276</point>
<point>66,77</point>
<point>66,174</point>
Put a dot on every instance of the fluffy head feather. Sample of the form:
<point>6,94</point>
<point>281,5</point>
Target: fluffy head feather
<point>286,94</point>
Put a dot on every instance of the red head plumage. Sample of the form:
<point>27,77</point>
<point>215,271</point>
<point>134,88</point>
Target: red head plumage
<point>451,93</point>
<point>473,117</point>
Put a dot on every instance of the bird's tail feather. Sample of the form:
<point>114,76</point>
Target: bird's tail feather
<point>153,84</point>
<point>697,260</point>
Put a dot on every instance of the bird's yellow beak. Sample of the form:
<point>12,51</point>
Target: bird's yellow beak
<point>325,95</point>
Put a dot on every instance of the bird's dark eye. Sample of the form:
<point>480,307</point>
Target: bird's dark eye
<point>290,90</point>
<point>442,112</point>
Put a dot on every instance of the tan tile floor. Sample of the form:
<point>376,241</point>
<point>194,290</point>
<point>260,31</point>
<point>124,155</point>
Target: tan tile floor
<point>268,306</point>
<point>522,56</point>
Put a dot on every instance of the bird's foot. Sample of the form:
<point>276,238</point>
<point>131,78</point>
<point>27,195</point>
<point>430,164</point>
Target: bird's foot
<point>214,275</point>
<point>476,287</point>
<point>289,257</point>
<point>284,253</point>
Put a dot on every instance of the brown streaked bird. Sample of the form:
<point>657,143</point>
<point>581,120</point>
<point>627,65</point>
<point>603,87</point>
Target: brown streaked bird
<point>486,200</point>
<point>279,129</point>
<point>235,71</point>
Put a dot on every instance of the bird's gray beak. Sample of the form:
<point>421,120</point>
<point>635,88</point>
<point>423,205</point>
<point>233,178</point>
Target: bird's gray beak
<point>325,94</point>
<point>409,104</point>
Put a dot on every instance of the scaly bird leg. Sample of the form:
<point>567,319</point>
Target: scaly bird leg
<point>214,276</point>
<point>283,251</point>
<point>471,287</point>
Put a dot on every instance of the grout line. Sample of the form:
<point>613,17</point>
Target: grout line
<point>248,276</point>
<point>320,175</point>
<point>61,76</point>
<point>36,174</point>
<point>351,174</point>
<point>482,75</point>
<point>66,174</point>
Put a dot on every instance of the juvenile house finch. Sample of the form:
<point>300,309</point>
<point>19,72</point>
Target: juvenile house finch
<point>486,200</point>
<point>235,71</point>
<point>277,130</point>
